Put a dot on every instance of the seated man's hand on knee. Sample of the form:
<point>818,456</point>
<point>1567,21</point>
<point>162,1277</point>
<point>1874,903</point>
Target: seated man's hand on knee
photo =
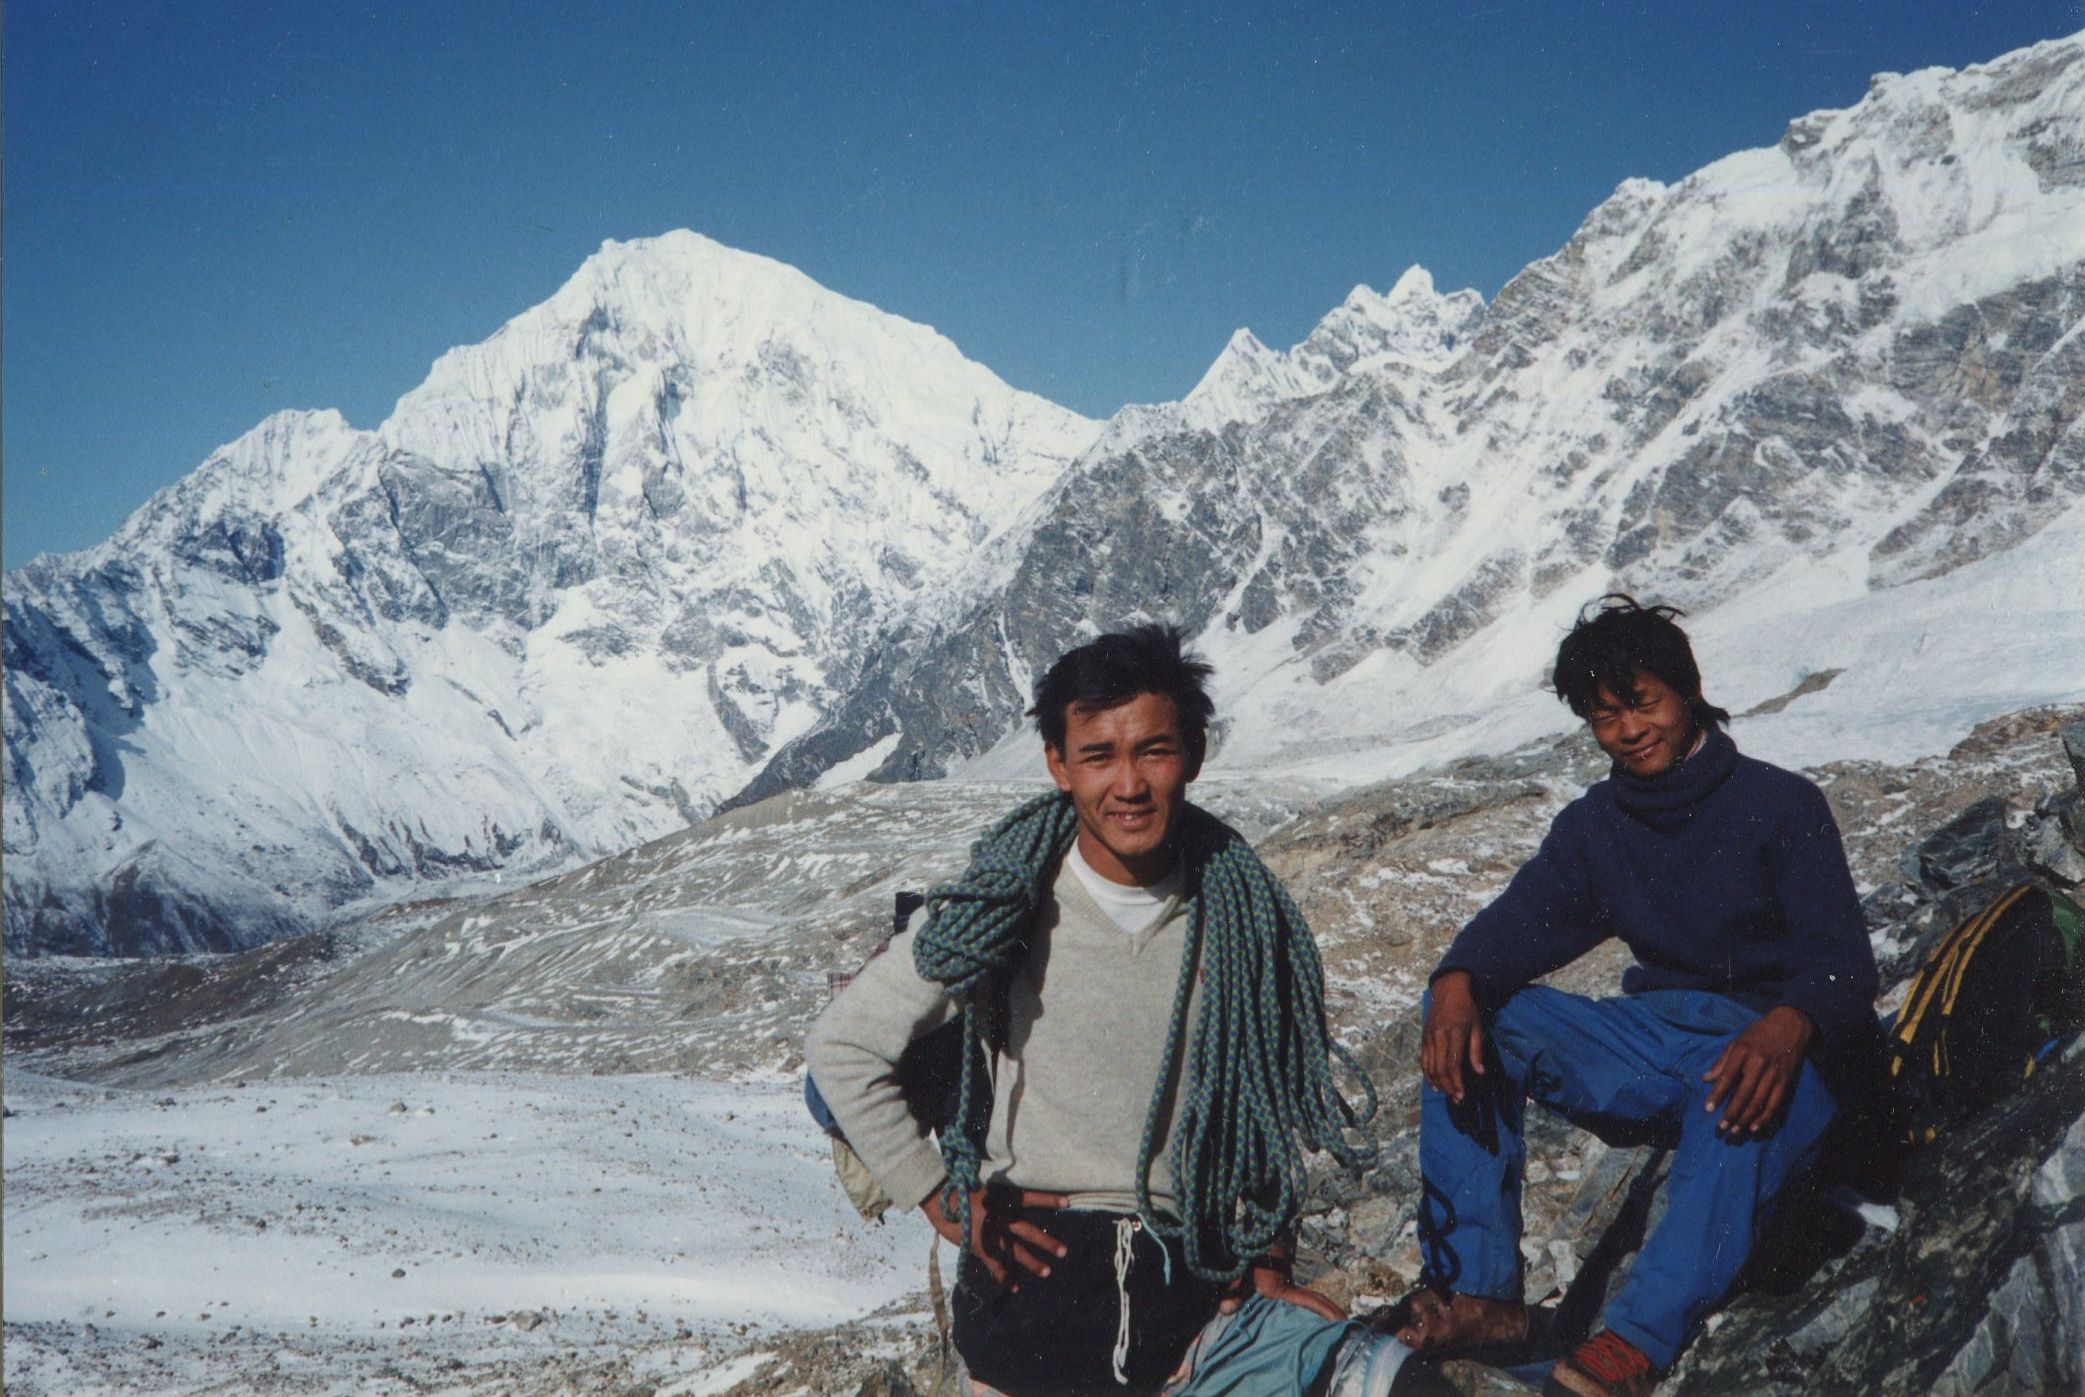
<point>1755,1076</point>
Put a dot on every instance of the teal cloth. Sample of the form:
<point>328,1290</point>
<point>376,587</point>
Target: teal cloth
<point>1270,1348</point>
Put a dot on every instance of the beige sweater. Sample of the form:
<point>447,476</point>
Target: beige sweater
<point>1087,1019</point>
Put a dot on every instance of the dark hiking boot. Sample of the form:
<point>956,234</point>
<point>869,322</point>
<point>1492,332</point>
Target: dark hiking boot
<point>1606,1365</point>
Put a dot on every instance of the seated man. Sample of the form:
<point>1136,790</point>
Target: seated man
<point>1751,1000</point>
<point>1134,977</point>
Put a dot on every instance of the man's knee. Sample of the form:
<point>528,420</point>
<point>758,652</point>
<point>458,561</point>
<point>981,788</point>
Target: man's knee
<point>1536,1008</point>
<point>1536,1019</point>
<point>1791,1138</point>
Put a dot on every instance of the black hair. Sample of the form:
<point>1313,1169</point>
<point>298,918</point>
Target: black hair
<point>1610,646</point>
<point>1113,669</point>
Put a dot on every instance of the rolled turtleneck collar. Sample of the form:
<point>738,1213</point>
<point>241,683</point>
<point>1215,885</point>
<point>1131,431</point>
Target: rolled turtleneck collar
<point>1668,800</point>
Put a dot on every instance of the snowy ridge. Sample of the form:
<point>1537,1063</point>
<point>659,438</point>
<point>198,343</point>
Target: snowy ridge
<point>1818,373</point>
<point>1411,328</point>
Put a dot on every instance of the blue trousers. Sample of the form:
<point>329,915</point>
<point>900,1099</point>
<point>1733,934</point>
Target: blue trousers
<point>1630,1069</point>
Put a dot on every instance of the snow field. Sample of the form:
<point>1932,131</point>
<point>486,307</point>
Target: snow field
<point>527,1214</point>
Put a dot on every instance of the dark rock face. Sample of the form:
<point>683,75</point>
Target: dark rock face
<point>241,548</point>
<point>2013,358</point>
<point>1970,848</point>
<point>1979,1289</point>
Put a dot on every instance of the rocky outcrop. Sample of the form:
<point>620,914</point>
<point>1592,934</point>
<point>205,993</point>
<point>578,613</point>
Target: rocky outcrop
<point>1976,1288</point>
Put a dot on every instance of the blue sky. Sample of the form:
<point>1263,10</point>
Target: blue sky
<point>216,210</point>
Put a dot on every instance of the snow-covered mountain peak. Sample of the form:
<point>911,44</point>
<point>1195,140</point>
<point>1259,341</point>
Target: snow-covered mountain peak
<point>724,357</point>
<point>1980,166</point>
<point>685,297</point>
<point>708,300</point>
<point>1244,376</point>
<point>1412,326</point>
<point>261,475</point>
<point>1414,282</point>
<point>569,594</point>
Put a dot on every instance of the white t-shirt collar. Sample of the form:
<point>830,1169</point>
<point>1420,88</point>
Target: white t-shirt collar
<point>1128,906</point>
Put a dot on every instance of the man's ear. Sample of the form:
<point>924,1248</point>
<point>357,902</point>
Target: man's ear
<point>1197,752</point>
<point>1054,760</point>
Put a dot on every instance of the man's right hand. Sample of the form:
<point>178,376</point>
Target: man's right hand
<point>999,1244</point>
<point>1454,1036</point>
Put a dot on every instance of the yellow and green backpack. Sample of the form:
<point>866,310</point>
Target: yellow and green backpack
<point>1998,997</point>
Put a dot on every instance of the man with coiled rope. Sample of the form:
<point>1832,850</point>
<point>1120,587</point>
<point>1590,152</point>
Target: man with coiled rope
<point>1125,1167</point>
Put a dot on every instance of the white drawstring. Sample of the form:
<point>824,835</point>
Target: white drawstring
<point>1125,1232</point>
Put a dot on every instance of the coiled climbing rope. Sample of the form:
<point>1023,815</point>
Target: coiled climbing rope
<point>1258,1089</point>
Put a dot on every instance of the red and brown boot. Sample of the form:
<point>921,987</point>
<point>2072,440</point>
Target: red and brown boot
<point>1606,1365</point>
<point>1443,1324</point>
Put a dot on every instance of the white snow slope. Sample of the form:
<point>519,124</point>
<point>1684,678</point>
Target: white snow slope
<point>530,1216</point>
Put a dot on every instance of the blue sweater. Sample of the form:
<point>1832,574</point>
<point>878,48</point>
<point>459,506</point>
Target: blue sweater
<point>1723,874</point>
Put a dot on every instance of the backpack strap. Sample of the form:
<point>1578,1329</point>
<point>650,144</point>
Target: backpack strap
<point>1941,978</point>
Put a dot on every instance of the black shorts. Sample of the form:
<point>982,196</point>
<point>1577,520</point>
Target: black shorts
<point>1056,1336</point>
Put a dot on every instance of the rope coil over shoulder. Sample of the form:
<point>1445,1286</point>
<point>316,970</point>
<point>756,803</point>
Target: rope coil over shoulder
<point>1258,1089</point>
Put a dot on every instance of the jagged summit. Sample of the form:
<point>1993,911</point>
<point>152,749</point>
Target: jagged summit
<point>737,351</point>
<point>270,469</point>
<point>1834,379</point>
<point>688,296</point>
<point>1414,281</point>
<point>1246,373</point>
<point>1411,326</point>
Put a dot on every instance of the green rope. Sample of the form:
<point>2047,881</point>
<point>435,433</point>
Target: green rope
<point>1258,1089</point>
